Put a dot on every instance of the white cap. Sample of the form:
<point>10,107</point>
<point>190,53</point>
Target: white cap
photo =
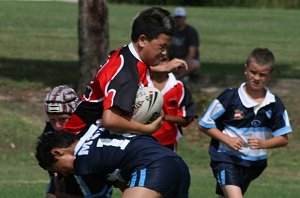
<point>179,12</point>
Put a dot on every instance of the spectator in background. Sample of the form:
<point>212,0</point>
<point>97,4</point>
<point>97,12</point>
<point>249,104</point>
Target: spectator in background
<point>185,44</point>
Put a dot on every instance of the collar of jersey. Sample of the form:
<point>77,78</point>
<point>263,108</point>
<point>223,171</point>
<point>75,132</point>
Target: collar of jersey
<point>169,85</point>
<point>134,53</point>
<point>248,102</point>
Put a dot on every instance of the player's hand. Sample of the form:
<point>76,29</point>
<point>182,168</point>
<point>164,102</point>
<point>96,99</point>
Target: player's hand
<point>155,125</point>
<point>171,66</point>
<point>235,143</point>
<point>255,143</point>
<point>176,64</point>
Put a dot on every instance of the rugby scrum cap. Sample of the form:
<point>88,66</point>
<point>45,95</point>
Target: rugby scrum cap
<point>62,99</point>
<point>179,12</point>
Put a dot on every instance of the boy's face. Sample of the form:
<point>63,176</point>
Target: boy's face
<point>65,159</point>
<point>58,121</point>
<point>257,76</point>
<point>154,52</point>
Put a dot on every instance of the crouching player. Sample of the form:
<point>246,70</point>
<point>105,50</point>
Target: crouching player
<point>60,102</point>
<point>143,165</point>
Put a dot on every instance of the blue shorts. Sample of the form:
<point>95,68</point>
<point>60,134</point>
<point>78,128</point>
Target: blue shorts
<point>169,176</point>
<point>232,174</point>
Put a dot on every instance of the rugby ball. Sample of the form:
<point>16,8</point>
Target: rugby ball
<point>148,104</point>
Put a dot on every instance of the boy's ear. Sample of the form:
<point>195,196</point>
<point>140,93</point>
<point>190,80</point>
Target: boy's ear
<point>57,152</point>
<point>142,40</point>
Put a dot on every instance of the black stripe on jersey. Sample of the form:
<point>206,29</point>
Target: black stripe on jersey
<point>93,110</point>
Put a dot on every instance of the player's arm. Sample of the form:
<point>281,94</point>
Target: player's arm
<point>275,142</point>
<point>233,142</point>
<point>113,119</point>
<point>170,66</point>
<point>60,187</point>
<point>177,120</point>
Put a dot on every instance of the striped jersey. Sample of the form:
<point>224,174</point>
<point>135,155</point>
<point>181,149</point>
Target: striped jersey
<point>178,101</point>
<point>234,113</point>
<point>115,84</point>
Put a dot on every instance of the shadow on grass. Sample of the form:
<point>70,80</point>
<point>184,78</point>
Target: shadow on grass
<point>282,70</point>
<point>220,70</point>
<point>50,73</point>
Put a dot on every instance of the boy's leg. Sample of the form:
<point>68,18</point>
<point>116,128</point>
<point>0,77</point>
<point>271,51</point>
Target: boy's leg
<point>232,191</point>
<point>233,180</point>
<point>141,192</point>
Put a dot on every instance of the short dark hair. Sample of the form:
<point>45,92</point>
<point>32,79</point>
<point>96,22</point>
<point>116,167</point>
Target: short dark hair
<point>49,140</point>
<point>152,22</point>
<point>262,56</point>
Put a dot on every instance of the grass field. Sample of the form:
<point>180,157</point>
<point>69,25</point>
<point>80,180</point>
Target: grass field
<point>38,50</point>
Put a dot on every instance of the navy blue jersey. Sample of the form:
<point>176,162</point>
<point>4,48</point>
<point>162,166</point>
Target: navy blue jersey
<point>99,154</point>
<point>236,115</point>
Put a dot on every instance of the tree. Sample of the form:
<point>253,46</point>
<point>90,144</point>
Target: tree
<point>93,39</point>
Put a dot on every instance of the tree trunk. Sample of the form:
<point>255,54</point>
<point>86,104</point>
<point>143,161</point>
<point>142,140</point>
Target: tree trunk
<point>93,39</point>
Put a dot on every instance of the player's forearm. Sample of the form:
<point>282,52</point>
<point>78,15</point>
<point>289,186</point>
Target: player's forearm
<point>215,133</point>
<point>275,142</point>
<point>176,120</point>
<point>170,66</point>
<point>113,120</point>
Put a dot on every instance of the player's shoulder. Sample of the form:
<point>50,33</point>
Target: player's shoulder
<point>229,92</point>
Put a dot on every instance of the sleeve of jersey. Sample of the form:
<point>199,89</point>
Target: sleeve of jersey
<point>121,90</point>
<point>215,110</point>
<point>187,104</point>
<point>281,124</point>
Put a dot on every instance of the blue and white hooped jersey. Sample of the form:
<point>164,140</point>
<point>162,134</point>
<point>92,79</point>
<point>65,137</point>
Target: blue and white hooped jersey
<point>237,115</point>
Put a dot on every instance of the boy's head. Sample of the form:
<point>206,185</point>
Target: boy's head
<point>53,151</point>
<point>259,68</point>
<point>151,23</point>
<point>263,57</point>
<point>59,104</point>
<point>152,31</point>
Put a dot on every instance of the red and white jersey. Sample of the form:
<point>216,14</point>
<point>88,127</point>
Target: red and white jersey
<point>115,85</point>
<point>178,101</point>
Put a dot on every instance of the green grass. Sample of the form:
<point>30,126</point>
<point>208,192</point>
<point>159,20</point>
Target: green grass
<point>38,48</point>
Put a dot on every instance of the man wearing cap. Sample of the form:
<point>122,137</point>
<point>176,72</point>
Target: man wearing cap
<point>185,44</point>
